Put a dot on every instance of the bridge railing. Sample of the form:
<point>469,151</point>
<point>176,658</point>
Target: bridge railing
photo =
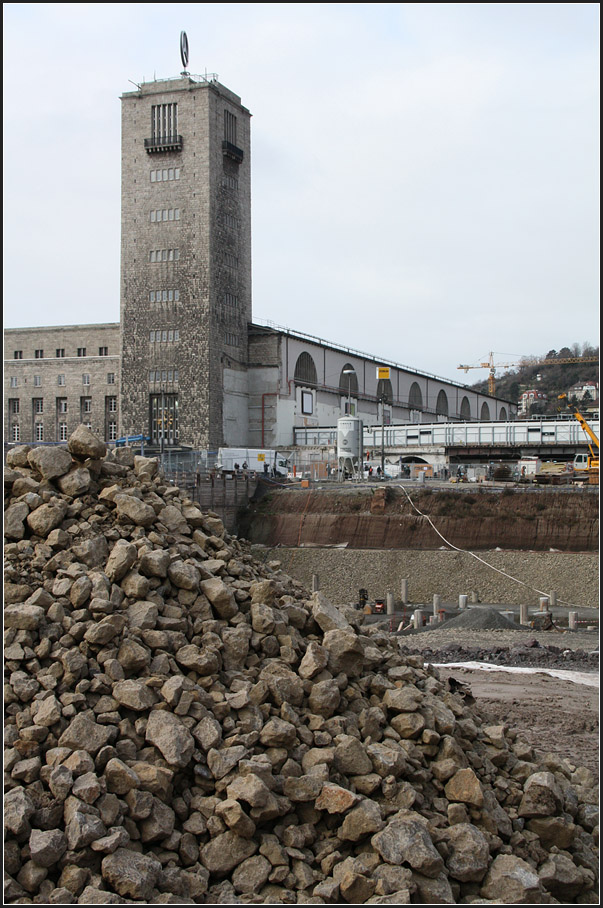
<point>545,432</point>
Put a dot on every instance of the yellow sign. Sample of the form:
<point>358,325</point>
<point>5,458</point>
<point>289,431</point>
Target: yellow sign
<point>261,457</point>
<point>382,371</point>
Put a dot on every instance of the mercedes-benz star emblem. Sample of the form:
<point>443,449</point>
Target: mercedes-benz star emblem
<point>184,49</point>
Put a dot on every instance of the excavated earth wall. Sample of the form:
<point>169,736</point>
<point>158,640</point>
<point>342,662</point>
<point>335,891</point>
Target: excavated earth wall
<point>389,518</point>
<point>185,724</point>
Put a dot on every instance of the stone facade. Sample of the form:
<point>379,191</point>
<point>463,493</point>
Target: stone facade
<point>57,378</point>
<point>186,261</point>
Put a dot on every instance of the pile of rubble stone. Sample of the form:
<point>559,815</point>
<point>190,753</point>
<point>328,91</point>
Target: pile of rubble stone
<point>187,725</point>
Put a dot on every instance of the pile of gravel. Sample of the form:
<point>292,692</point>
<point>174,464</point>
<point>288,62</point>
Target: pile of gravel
<point>486,619</point>
<point>185,725</point>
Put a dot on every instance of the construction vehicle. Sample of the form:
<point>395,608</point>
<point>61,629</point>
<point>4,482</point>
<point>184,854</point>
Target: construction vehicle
<point>590,469</point>
<point>492,366</point>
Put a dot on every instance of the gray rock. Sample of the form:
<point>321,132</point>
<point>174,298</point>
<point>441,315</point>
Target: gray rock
<point>324,698</point>
<point>345,651</point>
<point>46,847</point>
<point>131,874</point>
<point>14,520</point>
<point>134,510</point>
<point>407,839</point>
<point>326,615</point>
<point>221,762</point>
<point>560,876</point>
<point>511,880</point>
<point>184,576</point>
<point>122,557</point>
<point>47,517</point>
<point>92,552</point>
<point>171,737</point>
<point>84,734</point>
<point>134,695</point>
<point>23,616</point>
<point>76,482</point>
<point>155,564</point>
<point>171,517</point>
<point>18,808</point>
<point>226,851</point>
<point>315,659</point>
<point>83,444</point>
<point>82,829</point>
<point>542,796</point>
<point>220,597</point>
<point>469,853</point>
<point>361,821</point>
<point>50,462</point>
<point>159,824</point>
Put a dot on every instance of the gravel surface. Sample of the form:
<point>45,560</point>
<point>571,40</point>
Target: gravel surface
<point>342,572</point>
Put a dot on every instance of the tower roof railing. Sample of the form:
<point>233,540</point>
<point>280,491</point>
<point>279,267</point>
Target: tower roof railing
<point>205,77</point>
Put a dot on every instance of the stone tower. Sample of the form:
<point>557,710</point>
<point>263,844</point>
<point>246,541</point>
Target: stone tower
<point>185,263</point>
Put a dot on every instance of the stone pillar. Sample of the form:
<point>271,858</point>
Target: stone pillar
<point>390,604</point>
<point>474,597</point>
<point>523,614</point>
<point>417,618</point>
<point>433,619</point>
<point>544,603</point>
<point>572,618</point>
<point>404,591</point>
<point>553,598</point>
<point>315,583</point>
<point>462,601</point>
<point>436,604</point>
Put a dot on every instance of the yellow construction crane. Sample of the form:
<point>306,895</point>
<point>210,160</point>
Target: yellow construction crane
<point>592,464</point>
<point>492,366</point>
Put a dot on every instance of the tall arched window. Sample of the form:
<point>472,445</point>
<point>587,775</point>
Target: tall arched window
<point>385,391</point>
<point>465,408</point>
<point>442,404</point>
<point>415,397</point>
<point>485,412</point>
<point>305,370</point>
<point>348,380</point>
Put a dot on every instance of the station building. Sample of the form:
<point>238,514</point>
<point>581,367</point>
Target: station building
<point>186,365</point>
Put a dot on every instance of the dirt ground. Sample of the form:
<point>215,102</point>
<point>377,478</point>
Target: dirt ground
<point>552,715</point>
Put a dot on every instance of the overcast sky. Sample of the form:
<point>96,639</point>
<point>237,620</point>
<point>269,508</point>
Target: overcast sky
<point>424,176</point>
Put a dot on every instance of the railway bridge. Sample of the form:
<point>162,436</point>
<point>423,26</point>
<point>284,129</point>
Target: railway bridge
<point>444,443</point>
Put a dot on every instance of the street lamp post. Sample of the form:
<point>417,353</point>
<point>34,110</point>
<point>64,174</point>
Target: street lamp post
<point>383,435</point>
<point>349,373</point>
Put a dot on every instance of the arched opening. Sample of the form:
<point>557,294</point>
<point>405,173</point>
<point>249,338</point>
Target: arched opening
<point>503,414</point>
<point>305,370</point>
<point>442,404</point>
<point>348,380</point>
<point>485,412</point>
<point>415,397</point>
<point>385,391</point>
<point>465,408</point>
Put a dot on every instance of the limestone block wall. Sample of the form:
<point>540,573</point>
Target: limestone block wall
<point>49,389</point>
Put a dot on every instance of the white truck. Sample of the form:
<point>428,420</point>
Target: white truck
<point>265,461</point>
